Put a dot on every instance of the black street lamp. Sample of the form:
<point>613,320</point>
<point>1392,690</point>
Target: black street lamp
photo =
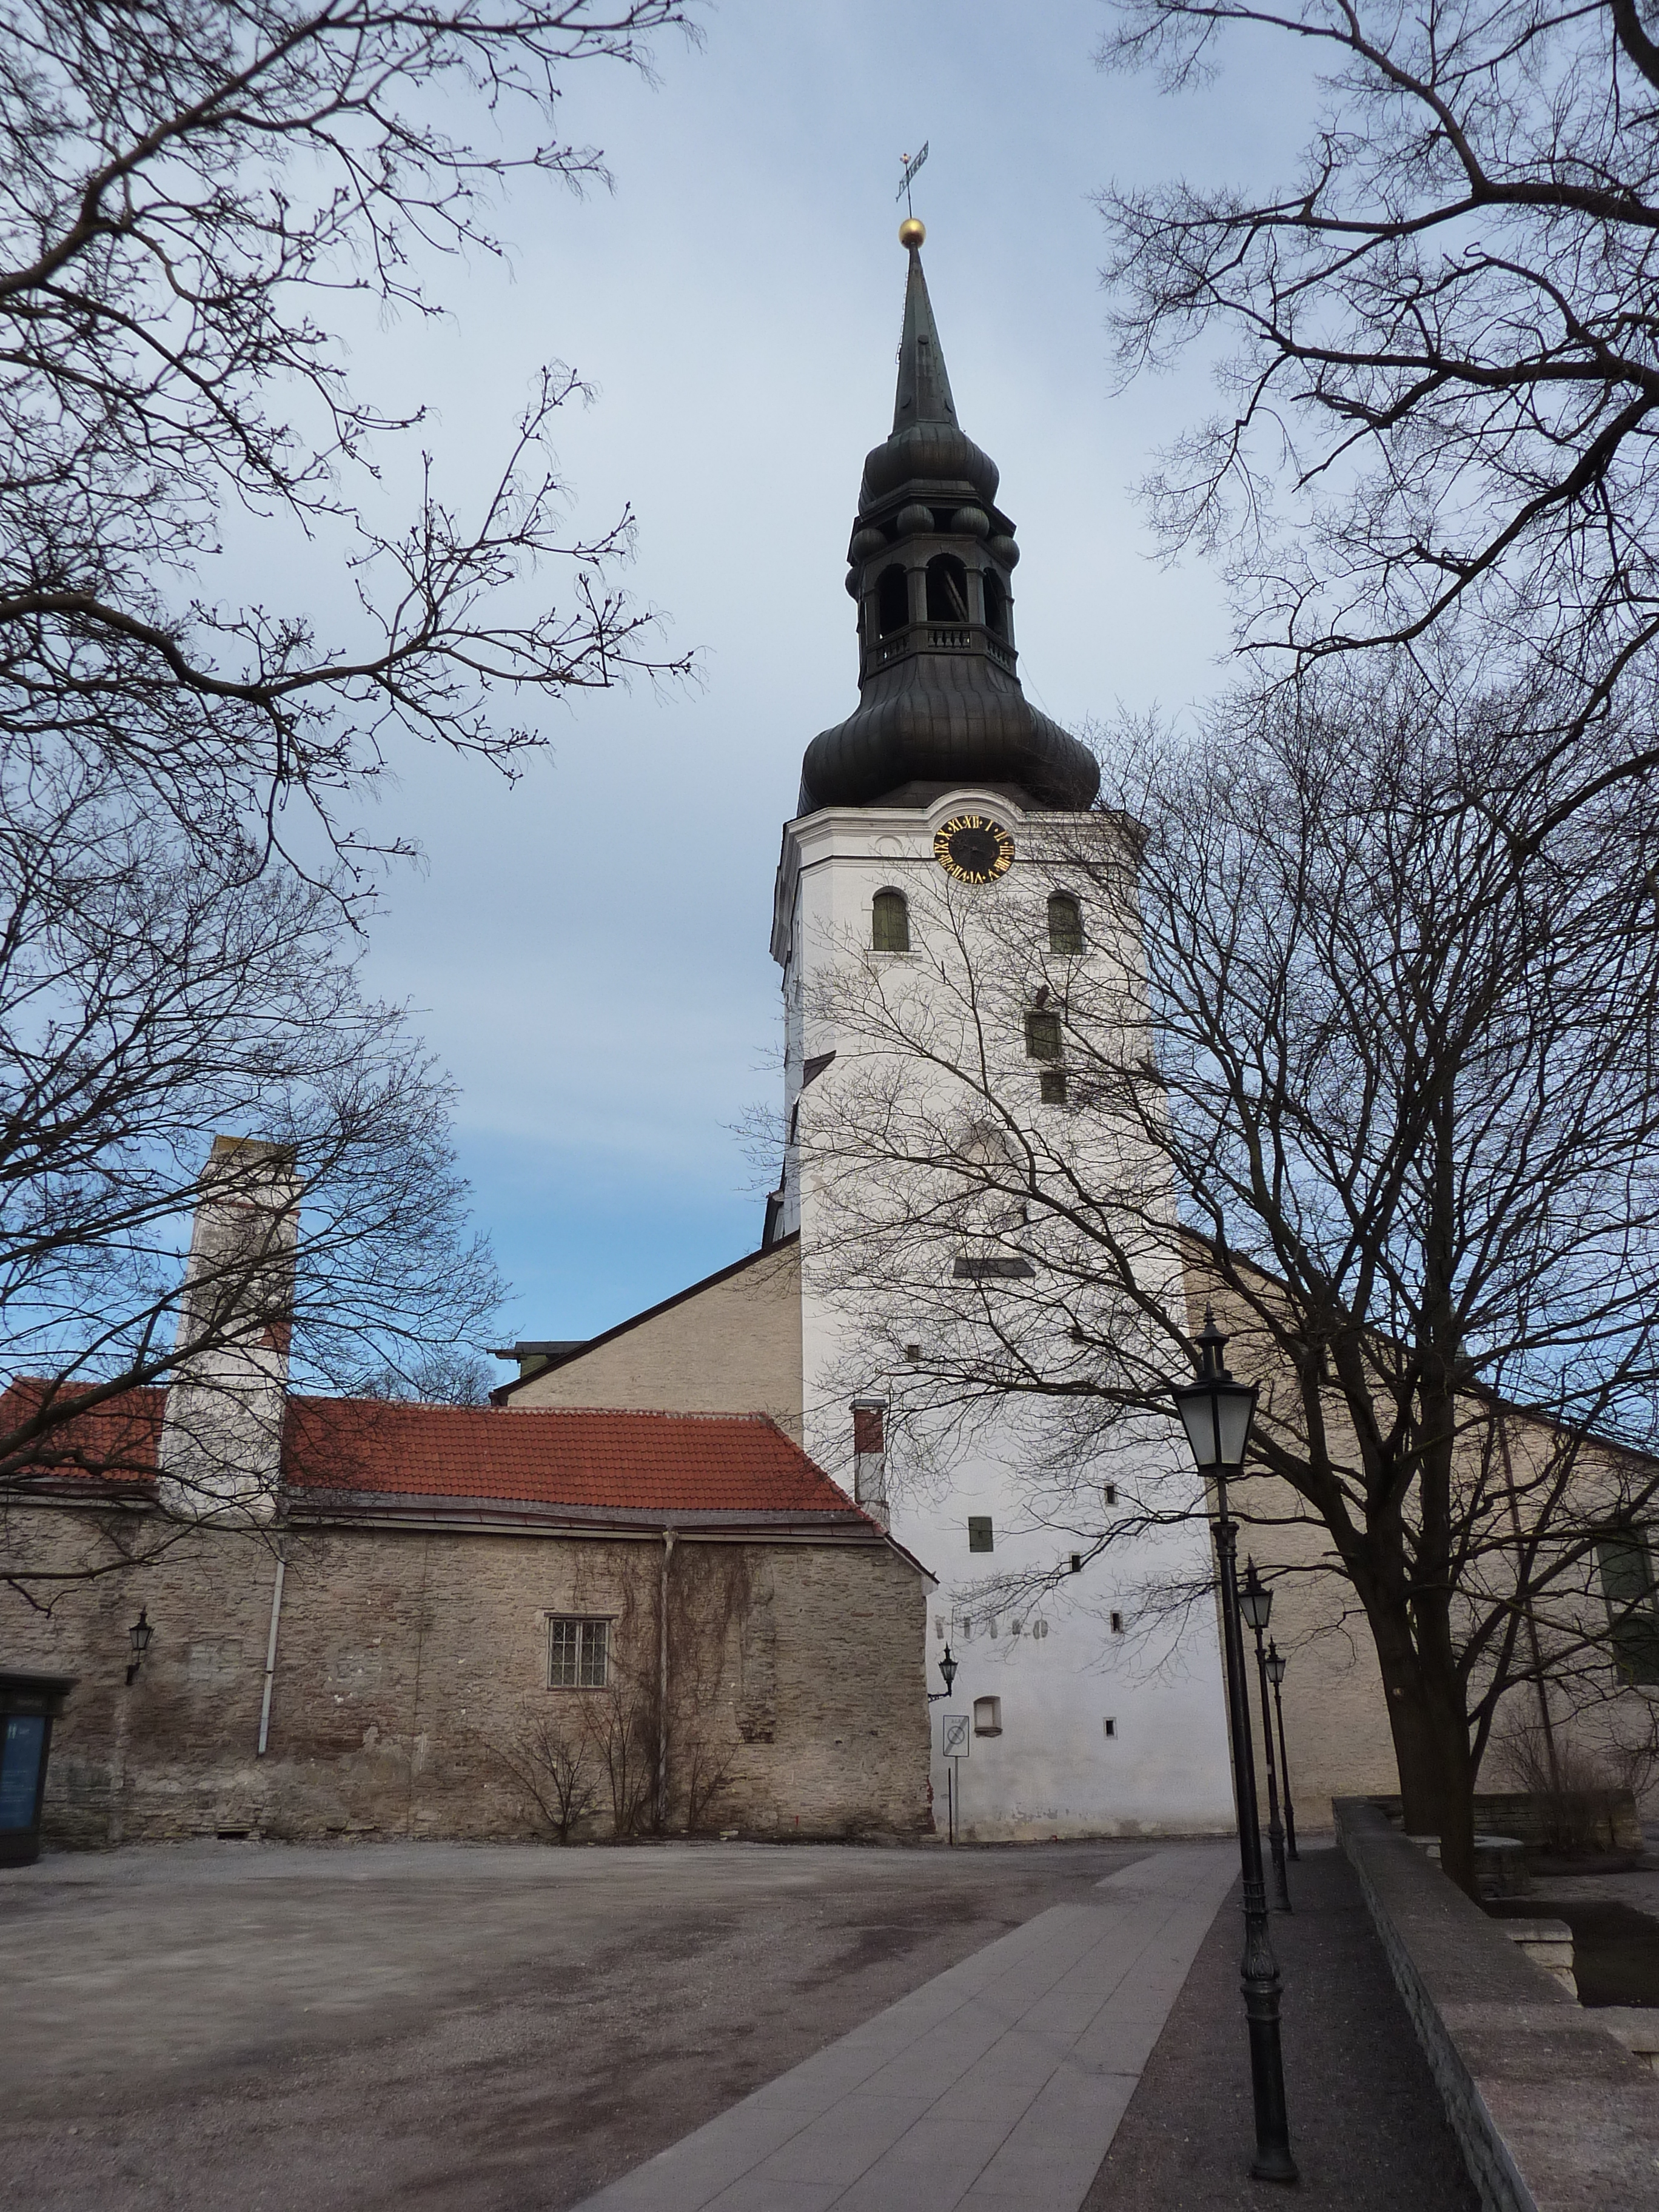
<point>1276,1676</point>
<point>947,1674</point>
<point>139,1635</point>
<point>1216,1413</point>
<point>1256,1604</point>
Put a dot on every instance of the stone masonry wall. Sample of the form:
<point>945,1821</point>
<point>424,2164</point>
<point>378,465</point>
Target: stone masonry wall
<point>732,1348</point>
<point>403,1657</point>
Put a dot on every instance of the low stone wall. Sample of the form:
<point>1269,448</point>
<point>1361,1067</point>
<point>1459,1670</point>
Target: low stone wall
<point>1553,2114</point>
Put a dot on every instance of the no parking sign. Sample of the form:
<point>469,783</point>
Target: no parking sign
<point>954,1735</point>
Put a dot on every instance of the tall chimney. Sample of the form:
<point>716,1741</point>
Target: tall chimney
<point>870,1456</point>
<point>222,1439</point>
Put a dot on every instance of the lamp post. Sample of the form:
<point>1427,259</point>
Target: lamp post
<point>1276,1676</point>
<point>1216,1413</point>
<point>947,1671</point>
<point>139,1635</point>
<point>1256,1604</point>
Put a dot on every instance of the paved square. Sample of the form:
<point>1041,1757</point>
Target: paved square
<point>998,2084</point>
<point>483,2026</point>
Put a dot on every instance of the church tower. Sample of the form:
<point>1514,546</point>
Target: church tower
<point>928,825</point>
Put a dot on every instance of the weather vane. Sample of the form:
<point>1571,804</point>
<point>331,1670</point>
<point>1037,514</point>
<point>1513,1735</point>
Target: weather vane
<point>912,163</point>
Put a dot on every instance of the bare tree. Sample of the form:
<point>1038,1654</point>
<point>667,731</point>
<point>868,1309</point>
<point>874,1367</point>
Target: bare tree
<point>187,191</point>
<point>149,999</point>
<point>550,1758</point>
<point>1438,371</point>
<point>1383,1081</point>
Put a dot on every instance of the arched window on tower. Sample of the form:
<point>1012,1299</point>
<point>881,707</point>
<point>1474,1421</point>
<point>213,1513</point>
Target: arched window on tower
<point>1065,923</point>
<point>889,922</point>
<point>996,603</point>
<point>947,589</point>
<point>892,600</point>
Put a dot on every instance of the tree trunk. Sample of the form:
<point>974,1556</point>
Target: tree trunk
<point>1431,1748</point>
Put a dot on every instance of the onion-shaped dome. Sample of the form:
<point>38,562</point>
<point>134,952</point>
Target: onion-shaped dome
<point>939,703</point>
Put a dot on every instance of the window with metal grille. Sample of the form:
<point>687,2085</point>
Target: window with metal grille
<point>578,1654</point>
<point>979,1533</point>
<point>1065,923</point>
<point>889,922</point>
<point>1632,1605</point>
<point>1043,1033</point>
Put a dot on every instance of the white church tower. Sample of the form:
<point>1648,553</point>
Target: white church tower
<point>929,822</point>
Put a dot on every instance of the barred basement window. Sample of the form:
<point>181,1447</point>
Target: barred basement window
<point>578,1654</point>
<point>1065,923</point>
<point>889,922</point>
<point>1042,1034</point>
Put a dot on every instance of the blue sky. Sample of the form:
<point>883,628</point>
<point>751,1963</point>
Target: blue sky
<point>587,950</point>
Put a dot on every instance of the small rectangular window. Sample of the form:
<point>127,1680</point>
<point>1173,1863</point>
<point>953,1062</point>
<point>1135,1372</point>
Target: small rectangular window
<point>987,1717</point>
<point>1077,1563</point>
<point>1111,1493</point>
<point>979,1533</point>
<point>1117,1624</point>
<point>1043,1033</point>
<point>1051,1086</point>
<point>1110,1726</point>
<point>578,1654</point>
<point>1627,1588</point>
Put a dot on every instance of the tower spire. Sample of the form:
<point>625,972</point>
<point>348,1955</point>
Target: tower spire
<point>931,563</point>
<point>923,394</point>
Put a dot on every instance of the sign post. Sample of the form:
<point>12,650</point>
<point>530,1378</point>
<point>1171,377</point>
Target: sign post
<point>954,1737</point>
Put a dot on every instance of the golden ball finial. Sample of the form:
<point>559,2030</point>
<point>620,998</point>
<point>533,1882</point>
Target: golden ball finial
<point>912,231</point>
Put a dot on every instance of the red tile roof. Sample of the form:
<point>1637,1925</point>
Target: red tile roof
<point>119,1440</point>
<point>555,1455</point>
<point>368,1453</point>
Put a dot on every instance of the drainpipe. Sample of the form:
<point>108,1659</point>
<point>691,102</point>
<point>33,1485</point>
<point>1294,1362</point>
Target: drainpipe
<point>270,1652</point>
<point>662,1681</point>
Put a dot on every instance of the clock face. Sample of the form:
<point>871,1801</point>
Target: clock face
<point>974,848</point>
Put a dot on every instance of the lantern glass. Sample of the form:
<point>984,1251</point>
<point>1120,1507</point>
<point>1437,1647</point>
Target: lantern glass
<point>947,1668</point>
<point>1255,1600</point>
<point>1216,1413</point>
<point>140,1631</point>
<point>1275,1666</point>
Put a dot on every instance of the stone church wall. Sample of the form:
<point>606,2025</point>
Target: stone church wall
<point>406,1661</point>
<point>732,1346</point>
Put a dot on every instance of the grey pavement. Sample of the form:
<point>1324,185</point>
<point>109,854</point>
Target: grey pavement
<point>997,2085</point>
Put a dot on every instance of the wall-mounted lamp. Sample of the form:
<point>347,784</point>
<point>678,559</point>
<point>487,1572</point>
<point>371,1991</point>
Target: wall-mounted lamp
<point>140,1632</point>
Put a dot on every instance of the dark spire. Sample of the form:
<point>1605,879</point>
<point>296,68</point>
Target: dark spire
<point>932,558</point>
<point>924,388</point>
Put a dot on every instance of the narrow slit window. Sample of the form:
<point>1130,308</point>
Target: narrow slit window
<point>889,922</point>
<point>1065,923</point>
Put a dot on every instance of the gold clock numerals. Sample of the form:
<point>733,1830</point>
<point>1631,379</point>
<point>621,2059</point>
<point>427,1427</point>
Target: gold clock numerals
<point>974,848</point>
